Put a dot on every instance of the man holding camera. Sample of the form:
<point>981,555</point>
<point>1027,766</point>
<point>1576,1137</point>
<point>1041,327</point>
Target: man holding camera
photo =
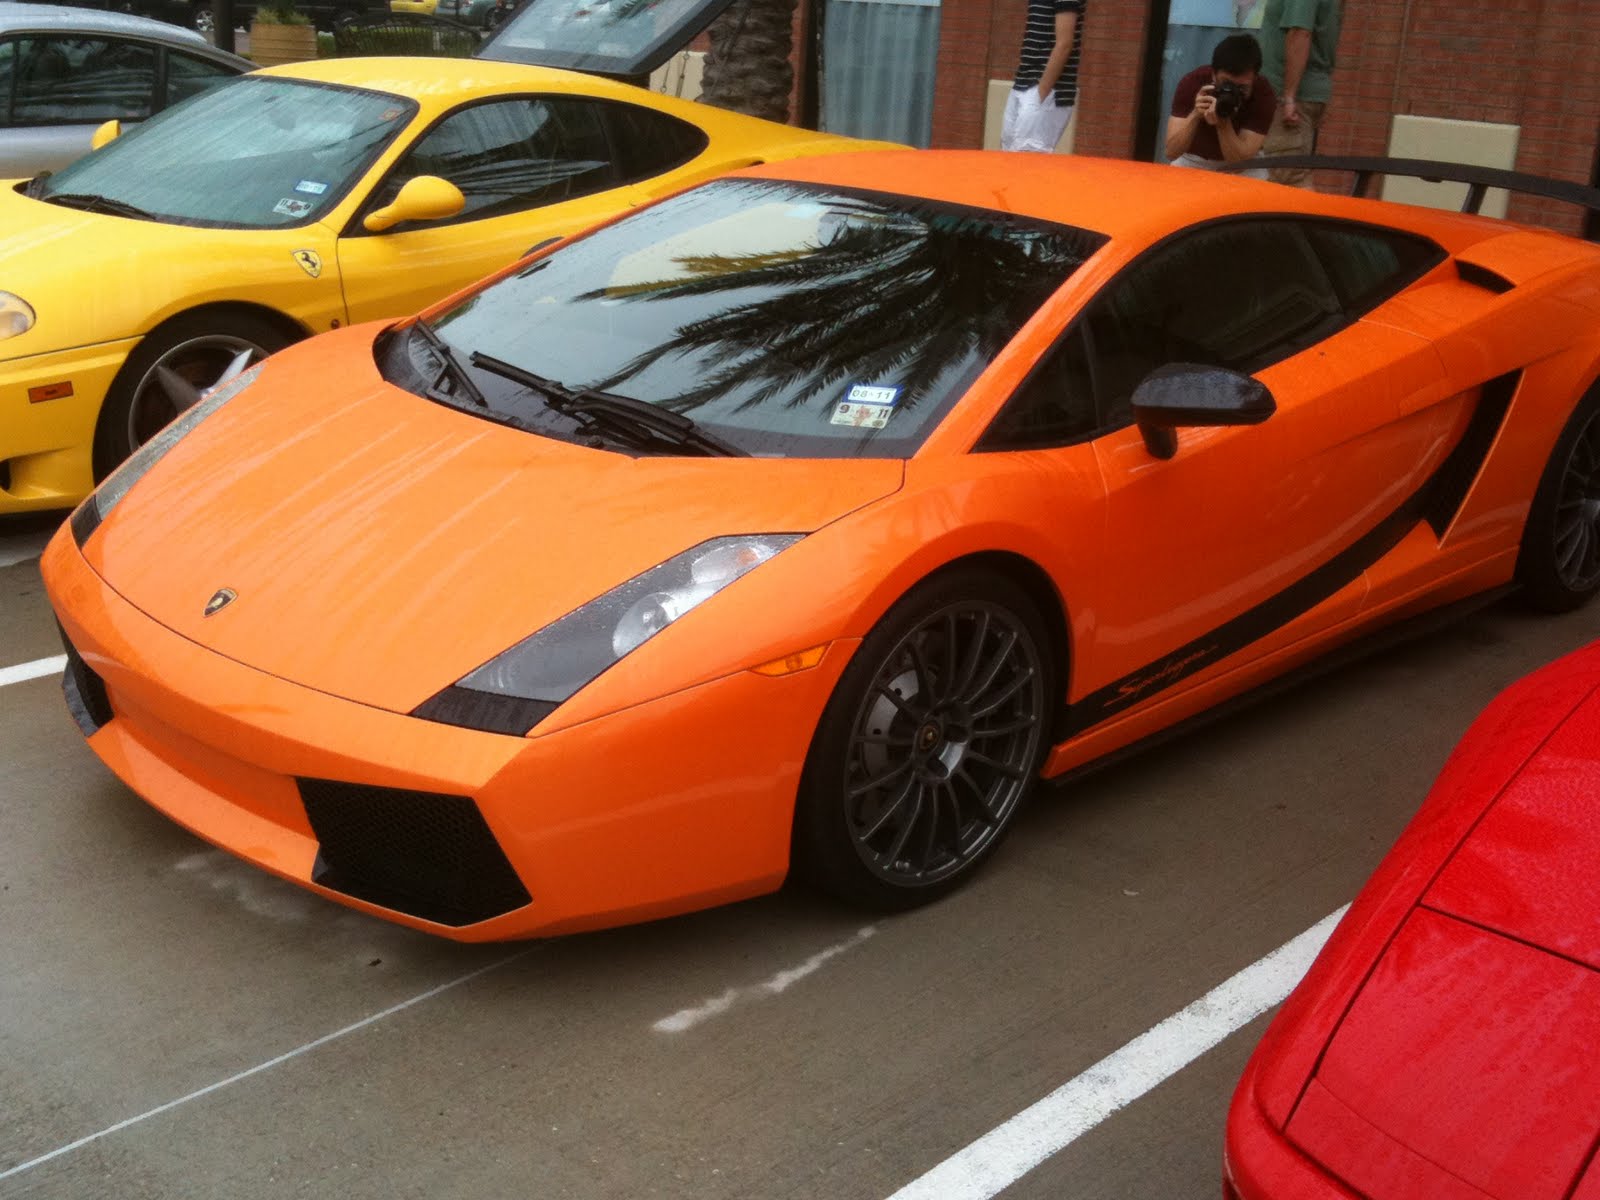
<point>1221,113</point>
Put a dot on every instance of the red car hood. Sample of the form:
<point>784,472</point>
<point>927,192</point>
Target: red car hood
<point>382,546</point>
<point>1469,1064</point>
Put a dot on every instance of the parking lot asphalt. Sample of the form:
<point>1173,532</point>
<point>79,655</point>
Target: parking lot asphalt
<point>175,1023</point>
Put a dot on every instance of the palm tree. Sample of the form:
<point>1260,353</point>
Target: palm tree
<point>906,294</point>
<point>747,68</point>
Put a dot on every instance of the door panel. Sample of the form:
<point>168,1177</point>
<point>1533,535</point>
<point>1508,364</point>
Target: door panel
<point>1249,531</point>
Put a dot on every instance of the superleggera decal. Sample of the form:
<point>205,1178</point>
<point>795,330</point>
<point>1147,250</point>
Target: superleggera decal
<point>1437,501</point>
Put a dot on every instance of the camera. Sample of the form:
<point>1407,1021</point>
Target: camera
<point>1230,98</point>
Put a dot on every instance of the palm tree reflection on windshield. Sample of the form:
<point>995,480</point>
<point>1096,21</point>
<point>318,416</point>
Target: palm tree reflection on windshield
<point>898,296</point>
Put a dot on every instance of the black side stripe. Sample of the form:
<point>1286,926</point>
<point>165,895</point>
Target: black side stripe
<point>1438,500</point>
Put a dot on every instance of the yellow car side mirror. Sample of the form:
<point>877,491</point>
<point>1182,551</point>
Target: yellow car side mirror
<point>106,134</point>
<point>425,198</point>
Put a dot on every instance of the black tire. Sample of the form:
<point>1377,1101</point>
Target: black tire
<point>198,348</point>
<point>1558,564</point>
<point>929,746</point>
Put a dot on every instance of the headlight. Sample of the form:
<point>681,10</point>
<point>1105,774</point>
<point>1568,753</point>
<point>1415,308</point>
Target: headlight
<point>16,316</point>
<point>98,506</point>
<point>516,690</point>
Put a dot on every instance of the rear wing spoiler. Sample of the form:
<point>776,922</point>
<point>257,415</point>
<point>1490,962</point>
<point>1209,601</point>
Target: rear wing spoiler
<point>1478,179</point>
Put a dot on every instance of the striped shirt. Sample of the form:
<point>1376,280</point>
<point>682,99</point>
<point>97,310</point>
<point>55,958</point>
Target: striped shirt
<point>1039,39</point>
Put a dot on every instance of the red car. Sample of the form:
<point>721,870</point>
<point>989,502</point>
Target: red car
<point>1446,1043</point>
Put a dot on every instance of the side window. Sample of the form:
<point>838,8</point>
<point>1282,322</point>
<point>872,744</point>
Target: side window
<point>190,76</point>
<point>649,143</point>
<point>1236,295</point>
<point>1370,265</point>
<point>8,57</point>
<point>1054,405</point>
<point>80,81</point>
<point>512,155</point>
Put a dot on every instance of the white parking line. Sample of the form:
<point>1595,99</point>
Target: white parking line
<point>37,669</point>
<point>259,1067</point>
<point>1005,1154</point>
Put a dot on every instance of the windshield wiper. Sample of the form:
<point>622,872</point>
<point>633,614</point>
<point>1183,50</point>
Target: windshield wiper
<point>449,365</point>
<point>620,413</point>
<point>93,202</point>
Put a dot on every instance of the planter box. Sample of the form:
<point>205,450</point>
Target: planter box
<point>274,44</point>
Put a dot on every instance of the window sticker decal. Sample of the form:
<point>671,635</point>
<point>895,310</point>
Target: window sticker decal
<point>290,207</point>
<point>311,187</point>
<point>865,406</point>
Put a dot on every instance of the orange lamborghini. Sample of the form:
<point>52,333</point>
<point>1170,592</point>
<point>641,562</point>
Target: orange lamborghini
<point>806,519</point>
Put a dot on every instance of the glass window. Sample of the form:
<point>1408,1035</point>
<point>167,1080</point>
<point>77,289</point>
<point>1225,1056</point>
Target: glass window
<point>1237,295</point>
<point>77,81</point>
<point>1055,404</point>
<point>603,37</point>
<point>188,76</point>
<point>649,143</point>
<point>788,319</point>
<point>1369,265</point>
<point>8,57</point>
<point>258,154</point>
<point>512,155</point>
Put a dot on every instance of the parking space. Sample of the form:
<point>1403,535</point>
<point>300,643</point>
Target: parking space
<point>173,1022</point>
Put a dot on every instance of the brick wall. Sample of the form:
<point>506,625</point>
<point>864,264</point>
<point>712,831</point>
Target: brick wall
<point>1533,63</point>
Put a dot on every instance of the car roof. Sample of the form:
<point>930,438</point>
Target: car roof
<point>60,18</point>
<point>1127,201</point>
<point>455,78</point>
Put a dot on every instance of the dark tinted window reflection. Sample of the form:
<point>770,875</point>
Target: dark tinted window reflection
<point>1370,265</point>
<point>789,320</point>
<point>650,143</point>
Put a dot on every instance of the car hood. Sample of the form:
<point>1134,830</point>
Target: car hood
<point>382,546</point>
<point>1469,1063</point>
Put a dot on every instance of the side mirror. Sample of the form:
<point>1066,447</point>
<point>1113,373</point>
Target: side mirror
<point>106,134</point>
<point>1187,394</point>
<point>425,198</point>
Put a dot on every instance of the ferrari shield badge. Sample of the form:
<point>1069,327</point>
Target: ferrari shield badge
<point>310,262</point>
<point>220,599</point>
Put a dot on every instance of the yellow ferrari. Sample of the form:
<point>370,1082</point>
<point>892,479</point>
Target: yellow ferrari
<point>297,200</point>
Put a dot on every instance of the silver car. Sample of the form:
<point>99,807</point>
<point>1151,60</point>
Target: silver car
<point>65,71</point>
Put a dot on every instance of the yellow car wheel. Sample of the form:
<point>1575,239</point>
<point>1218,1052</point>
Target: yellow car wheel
<point>167,370</point>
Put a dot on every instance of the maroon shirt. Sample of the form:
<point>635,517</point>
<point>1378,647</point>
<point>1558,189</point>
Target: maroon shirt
<point>1255,114</point>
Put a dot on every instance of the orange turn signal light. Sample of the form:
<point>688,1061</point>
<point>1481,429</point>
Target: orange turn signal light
<point>50,391</point>
<point>801,660</point>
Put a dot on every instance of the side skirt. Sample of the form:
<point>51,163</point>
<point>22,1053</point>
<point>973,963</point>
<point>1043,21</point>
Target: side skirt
<point>1352,651</point>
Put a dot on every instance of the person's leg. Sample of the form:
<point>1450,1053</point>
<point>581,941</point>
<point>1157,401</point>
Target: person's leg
<point>1293,139</point>
<point>1043,124</point>
<point>1010,131</point>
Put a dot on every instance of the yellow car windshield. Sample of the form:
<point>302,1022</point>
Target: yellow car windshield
<point>252,154</point>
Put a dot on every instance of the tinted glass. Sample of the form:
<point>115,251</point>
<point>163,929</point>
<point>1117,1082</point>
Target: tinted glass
<point>1370,265</point>
<point>649,143</point>
<point>8,58</point>
<point>190,76</point>
<point>787,319</point>
<point>257,154</point>
<point>1055,404</point>
<point>1240,295</point>
<point>512,156</point>
<point>77,81</point>
<point>606,37</point>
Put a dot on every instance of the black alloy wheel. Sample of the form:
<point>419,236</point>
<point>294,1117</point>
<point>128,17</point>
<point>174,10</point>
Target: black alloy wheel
<point>1559,562</point>
<point>929,745</point>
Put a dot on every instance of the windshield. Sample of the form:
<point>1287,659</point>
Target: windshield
<point>257,154</point>
<point>785,319</point>
<point>603,37</point>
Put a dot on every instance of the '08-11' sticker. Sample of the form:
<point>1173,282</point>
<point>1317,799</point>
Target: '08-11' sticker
<point>865,406</point>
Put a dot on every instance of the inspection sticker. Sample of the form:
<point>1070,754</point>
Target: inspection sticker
<point>290,207</point>
<point>865,407</point>
<point>311,187</point>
